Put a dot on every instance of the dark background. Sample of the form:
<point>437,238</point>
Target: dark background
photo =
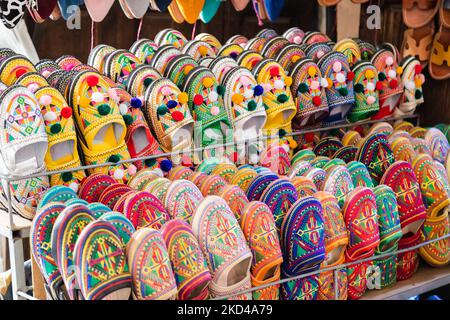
<point>52,39</point>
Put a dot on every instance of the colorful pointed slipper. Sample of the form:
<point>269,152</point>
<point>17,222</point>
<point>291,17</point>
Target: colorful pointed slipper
<point>249,59</point>
<point>178,68</point>
<point>320,162</point>
<point>119,64</point>
<point>299,169</point>
<point>339,183</point>
<point>360,215</point>
<point>158,187</point>
<point>357,280</point>
<point>303,155</point>
<point>144,49</point>
<point>189,9</point>
<point>304,186</point>
<point>112,193</point>
<point>92,187</point>
<point>150,266</point>
<point>275,158</point>
<point>123,226</point>
<point>288,55</point>
<point>225,170</point>
<point>309,93</point>
<point>145,210</point>
<point>350,49</point>
<point>336,238</point>
<point>351,138</point>
<point>267,293</point>
<point>56,194</point>
<point>403,149</point>
<point>385,269</point>
<point>40,236</point>
<point>212,185</point>
<point>388,218</point>
<point>142,177</point>
<point>258,184</point>
<point>97,56</point>
<point>436,254</point>
<point>100,261</point>
<point>412,79</point>
<point>303,237</point>
<point>340,95</point>
<point>294,35</point>
<point>223,244</point>
<point>390,85</point>
<point>376,154</point>
<point>437,143</point>
<point>66,231</point>
<point>163,55</point>
<point>432,185</point>
<point>327,284</point>
<point>170,36</point>
<point>330,164</point>
<point>315,51</point>
<point>235,198</point>
<point>179,172</point>
<point>181,200</point>
<point>346,153</point>
<point>301,289</point>
<point>189,266</point>
<point>273,46</point>
<point>402,180</point>
<point>408,262</point>
<point>32,80</point>
<point>317,176</point>
<point>243,177</point>
<point>119,206</point>
<point>13,67</point>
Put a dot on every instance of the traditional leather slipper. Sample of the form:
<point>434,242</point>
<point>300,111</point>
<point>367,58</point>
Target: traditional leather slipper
<point>189,265</point>
<point>96,278</point>
<point>119,64</point>
<point>220,66</point>
<point>402,180</point>
<point>170,36</point>
<point>436,254</point>
<point>308,89</point>
<point>12,12</point>
<point>438,144</point>
<point>357,280</point>
<point>56,194</point>
<point>243,177</point>
<point>181,200</point>
<point>444,13</point>
<point>340,95</point>
<point>388,219</point>
<point>432,186</point>
<point>294,35</point>
<point>145,210</point>
<point>360,215</point>
<point>134,9</point>
<point>418,43</point>
<point>408,262</point>
<point>305,289</point>
<point>159,5</point>
<point>351,138</point>
<point>92,187</point>
<point>339,183</point>
<point>302,237</point>
<point>304,186</point>
<point>258,184</point>
<point>32,80</point>
<point>417,13</point>
<point>386,270</point>
<point>288,55</point>
<point>98,9</point>
<point>123,226</point>
<point>66,231</point>
<point>150,266</point>
<point>275,158</point>
<point>224,246</point>
<point>40,236</point>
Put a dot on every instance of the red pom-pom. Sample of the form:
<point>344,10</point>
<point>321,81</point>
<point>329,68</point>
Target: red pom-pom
<point>350,76</point>
<point>393,84</point>
<point>309,137</point>
<point>254,62</point>
<point>317,100</point>
<point>198,99</point>
<point>418,69</point>
<point>274,71</point>
<point>177,116</point>
<point>92,81</point>
<point>379,86</point>
<point>66,112</point>
<point>20,72</point>
<point>235,157</point>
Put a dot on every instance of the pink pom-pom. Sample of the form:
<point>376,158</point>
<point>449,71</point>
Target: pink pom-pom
<point>132,170</point>
<point>166,91</point>
<point>370,100</point>
<point>297,40</point>
<point>46,73</point>
<point>314,85</point>
<point>113,95</point>
<point>33,87</point>
<point>45,100</point>
<point>337,66</point>
<point>215,111</point>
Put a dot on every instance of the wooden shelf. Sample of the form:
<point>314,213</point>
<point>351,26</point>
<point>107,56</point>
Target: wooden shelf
<point>424,280</point>
<point>21,226</point>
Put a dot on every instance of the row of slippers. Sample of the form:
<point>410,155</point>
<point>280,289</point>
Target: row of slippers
<point>111,126</point>
<point>11,12</point>
<point>375,218</point>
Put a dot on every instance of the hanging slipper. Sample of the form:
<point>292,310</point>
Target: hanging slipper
<point>170,36</point>
<point>189,9</point>
<point>150,266</point>
<point>209,10</point>
<point>145,210</point>
<point>224,246</point>
<point>66,231</point>
<point>160,5</point>
<point>101,267</point>
<point>11,12</point>
<point>43,11</point>
<point>98,9</point>
<point>436,254</point>
<point>417,13</point>
<point>134,9</point>
<point>188,263</point>
<point>339,183</point>
<point>402,180</point>
<point>181,200</point>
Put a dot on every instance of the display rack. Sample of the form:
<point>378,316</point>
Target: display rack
<point>16,229</point>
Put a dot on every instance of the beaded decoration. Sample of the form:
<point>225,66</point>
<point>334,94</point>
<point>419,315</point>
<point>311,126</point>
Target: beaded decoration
<point>145,210</point>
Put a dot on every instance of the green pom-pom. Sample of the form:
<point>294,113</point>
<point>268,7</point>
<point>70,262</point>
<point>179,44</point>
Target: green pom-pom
<point>251,105</point>
<point>162,110</point>
<point>221,90</point>
<point>147,81</point>
<point>103,109</point>
<point>66,176</point>
<point>55,128</point>
<point>359,88</point>
<point>343,91</point>
<point>381,76</point>
<point>128,119</point>
<point>114,158</point>
<point>418,94</point>
<point>150,162</point>
<point>282,98</point>
<point>303,88</point>
<point>281,133</point>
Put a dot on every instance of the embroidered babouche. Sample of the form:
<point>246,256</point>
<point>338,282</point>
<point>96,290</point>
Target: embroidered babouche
<point>339,183</point>
<point>181,199</point>
<point>413,80</point>
<point>144,49</point>
<point>145,210</point>
<point>123,226</point>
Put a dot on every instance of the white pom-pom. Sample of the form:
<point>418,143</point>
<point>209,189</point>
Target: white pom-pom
<point>392,74</point>
<point>324,83</point>
<point>370,86</point>
<point>297,40</point>
<point>74,186</point>
<point>253,158</point>
<point>278,84</point>
<point>50,116</point>
<point>213,96</point>
<point>286,147</point>
<point>410,85</point>
<point>314,85</point>
<point>389,61</point>
<point>97,97</point>
<point>119,174</point>
<point>123,108</point>
<point>340,77</point>
<point>248,93</point>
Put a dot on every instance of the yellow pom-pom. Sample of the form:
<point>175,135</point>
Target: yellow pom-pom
<point>292,144</point>
<point>330,83</point>
<point>312,71</point>
<point>288,81</point>
<point>418,82</point>
<point>399,70</point>
<point>369,74</point>
<point>182,98</point>
<point>237,98</point>
<point>203,50</point>
<point>208,82</point>
<point>188,69</point>
<point>295,58</point>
